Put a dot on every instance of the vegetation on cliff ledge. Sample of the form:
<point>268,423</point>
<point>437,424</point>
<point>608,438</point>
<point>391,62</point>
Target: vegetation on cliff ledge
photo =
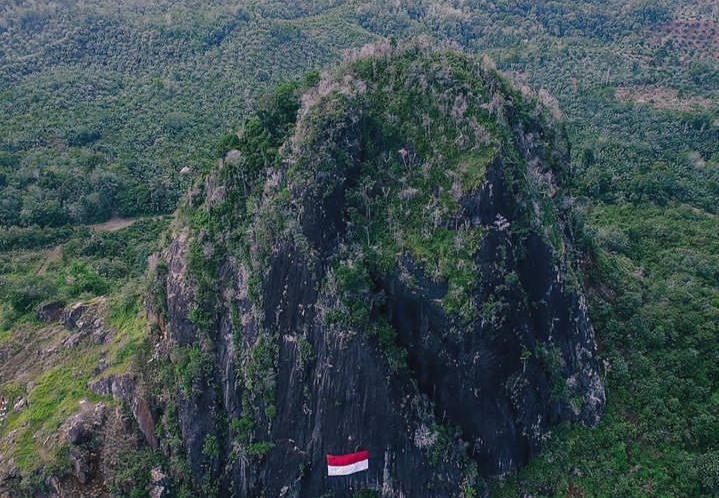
<point>113,108</point>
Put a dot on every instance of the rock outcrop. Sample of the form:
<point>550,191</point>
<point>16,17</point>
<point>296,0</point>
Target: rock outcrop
<point>86,319</point>
<point>97,447</point>
<point>80,431</point>
<point>385,266</point>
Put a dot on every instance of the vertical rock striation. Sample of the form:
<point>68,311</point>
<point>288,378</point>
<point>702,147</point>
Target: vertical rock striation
<point>395,276</point>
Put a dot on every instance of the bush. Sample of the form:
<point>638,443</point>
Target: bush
<point>25,292</point>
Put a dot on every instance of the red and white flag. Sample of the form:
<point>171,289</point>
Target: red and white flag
<point>344,465</point>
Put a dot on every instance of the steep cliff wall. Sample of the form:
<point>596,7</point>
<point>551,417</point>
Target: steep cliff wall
<point>382,264</point>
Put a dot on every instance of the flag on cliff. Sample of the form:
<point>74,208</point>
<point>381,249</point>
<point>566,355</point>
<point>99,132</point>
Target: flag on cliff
<point>344,465</point>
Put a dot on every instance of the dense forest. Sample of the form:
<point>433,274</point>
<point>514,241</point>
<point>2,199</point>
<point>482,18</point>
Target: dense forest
<point>113,111</point>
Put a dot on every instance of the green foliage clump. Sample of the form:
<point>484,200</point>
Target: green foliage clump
<point>85,264</point>
<point>259,448</point>
<point>25,292</point>
<point>211,447</point>
<point>130,474</point>
<point>194,369</point>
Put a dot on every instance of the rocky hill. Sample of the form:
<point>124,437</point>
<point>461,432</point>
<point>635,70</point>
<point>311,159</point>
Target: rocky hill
<point>382,261</point>
<point>117,109</point>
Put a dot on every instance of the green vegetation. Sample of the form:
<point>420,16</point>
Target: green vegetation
<point>50,403</point>
<point>645,181</point>
<point>90,262</point>
<point>57,383</point>
<point>114,111</point>
<point>194,369</point>
<point>39,365</point>
<point>656,314</point>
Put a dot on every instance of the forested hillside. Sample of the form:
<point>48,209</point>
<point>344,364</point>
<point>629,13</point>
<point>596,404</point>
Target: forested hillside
<point>106,105</point>
<point>114,110</point>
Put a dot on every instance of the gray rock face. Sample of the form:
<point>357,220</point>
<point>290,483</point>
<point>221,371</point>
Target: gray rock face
<point>80,431</point>
<point>494,382</point>
<point>160,483</point>
<point>497,378</point>
<point>439,399</point>
<point>50,312</point>
<point>124,388</point>
<point>86,320</point>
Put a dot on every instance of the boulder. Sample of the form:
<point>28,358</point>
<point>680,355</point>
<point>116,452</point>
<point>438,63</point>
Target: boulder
<point>50,311</point>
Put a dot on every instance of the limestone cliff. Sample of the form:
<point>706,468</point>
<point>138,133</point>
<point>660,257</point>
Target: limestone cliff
<point>381,262</point>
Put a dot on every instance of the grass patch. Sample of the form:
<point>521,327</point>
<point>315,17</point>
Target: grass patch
<point>473,167</point>
<point>130,324</point>
<point>53,398</point>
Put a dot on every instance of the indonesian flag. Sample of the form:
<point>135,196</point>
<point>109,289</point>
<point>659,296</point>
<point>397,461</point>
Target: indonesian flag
<point>344,465</point>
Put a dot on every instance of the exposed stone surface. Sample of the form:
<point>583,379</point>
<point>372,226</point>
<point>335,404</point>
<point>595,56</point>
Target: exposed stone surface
<point>4,406</point>
<point>478,394</point>
<point>72,315</point>
<point>8,472</point>
<point>159,483</point>
<point>50,312</point>
<point>80,431</point>
<point>19,405</point>
<point>86,320</point>
<point>125,388</point>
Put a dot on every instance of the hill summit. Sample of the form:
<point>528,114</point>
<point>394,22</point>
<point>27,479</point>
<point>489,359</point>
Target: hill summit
<point>382,261</point>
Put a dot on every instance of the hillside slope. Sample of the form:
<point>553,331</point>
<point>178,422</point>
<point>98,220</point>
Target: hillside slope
<point>390,272</point>
<point>114,108</point>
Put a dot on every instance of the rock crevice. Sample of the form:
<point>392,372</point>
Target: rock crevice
<point>396,287</point>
